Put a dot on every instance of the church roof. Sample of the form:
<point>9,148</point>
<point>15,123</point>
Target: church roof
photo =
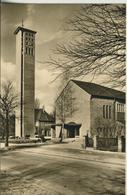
<point>100,91</point>
<point>42,116</point>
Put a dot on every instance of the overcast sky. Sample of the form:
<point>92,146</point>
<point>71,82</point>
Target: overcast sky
<point>47,20</point>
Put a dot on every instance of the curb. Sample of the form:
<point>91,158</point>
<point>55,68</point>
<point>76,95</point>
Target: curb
<point>13,147</point>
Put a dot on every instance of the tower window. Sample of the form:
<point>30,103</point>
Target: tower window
<point>29,51</point>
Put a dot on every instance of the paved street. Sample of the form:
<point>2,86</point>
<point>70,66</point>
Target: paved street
<point>59,170</point>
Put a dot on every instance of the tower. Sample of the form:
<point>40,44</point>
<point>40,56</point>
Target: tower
<point>25,61</point>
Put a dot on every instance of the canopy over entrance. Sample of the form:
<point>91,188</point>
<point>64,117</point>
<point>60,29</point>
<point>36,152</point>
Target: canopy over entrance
<point>72,129</point>
<point>71,124</point>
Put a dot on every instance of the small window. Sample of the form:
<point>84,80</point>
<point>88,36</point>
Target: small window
<point>103,111</point>
<point>120,107</point>
<point>109,111</point>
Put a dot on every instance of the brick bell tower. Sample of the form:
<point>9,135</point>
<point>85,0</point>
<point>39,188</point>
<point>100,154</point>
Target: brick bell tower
<point>25,61</point>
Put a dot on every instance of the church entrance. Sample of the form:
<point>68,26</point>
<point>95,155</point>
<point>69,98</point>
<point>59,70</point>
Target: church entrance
<point>71,132</point>
<point>72,129</point>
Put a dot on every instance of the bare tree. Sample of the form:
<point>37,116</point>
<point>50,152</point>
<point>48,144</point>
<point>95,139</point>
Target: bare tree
<point>65,105</point>
<point>99,44</point>
<point>8,103</point>
<point>37,103</point>
<point>108,128</point>
<point>2,125</point>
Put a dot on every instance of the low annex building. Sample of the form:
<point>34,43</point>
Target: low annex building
<point>43,123</point>
<point>90,109</point>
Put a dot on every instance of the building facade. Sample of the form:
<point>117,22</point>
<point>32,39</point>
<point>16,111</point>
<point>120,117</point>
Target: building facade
<point>44,123</point>
<point>25,60</point>
<point>91,110</point>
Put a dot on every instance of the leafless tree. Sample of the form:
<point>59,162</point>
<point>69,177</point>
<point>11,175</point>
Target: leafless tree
<point>8,103</point>
<point>65,105</point>
<point>99,44</point>
<point>108,128</point>
<point>37,103</point>
<point>2,124</point>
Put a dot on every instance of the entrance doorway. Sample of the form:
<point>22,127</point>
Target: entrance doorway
<point>73,129</point>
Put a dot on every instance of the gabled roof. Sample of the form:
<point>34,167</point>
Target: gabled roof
<point>100,91</point>
<point>42,116</point>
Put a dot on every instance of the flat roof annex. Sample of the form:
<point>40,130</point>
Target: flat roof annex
<point>24,30</point>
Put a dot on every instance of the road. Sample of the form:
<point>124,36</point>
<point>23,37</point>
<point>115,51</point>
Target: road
<point>58,170</point>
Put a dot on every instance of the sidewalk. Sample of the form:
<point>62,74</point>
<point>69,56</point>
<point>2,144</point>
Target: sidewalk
<point>16,146</point>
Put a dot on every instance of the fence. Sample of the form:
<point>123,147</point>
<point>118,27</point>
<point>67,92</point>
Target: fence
<point>110,144</point>
<point>106,144</point>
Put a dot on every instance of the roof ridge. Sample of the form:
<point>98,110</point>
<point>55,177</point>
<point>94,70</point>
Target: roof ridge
<point>74,80</point>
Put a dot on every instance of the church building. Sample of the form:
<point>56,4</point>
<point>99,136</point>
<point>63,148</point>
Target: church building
<point>84,108</point>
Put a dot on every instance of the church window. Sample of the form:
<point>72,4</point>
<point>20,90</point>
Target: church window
<point>103,111</point>
<point>120,107</point>
<point>107,111</point>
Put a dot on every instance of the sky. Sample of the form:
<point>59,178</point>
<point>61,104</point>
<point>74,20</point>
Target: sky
<point>48,21</point>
